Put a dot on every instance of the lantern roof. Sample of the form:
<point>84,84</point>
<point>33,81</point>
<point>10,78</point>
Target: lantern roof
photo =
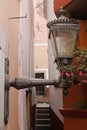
<point>62,18</point>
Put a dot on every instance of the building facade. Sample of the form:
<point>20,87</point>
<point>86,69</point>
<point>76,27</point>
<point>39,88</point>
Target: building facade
<point>25,60</point>
<point>9,9</point>
<point>40,46</point>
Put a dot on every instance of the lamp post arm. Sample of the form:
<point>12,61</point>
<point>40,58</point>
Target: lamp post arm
<point>23,82</point>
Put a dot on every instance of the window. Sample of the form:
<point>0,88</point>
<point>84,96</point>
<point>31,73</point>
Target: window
<point>40,90</point>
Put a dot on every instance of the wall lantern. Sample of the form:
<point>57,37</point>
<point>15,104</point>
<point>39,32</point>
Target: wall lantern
<point>63,34</point>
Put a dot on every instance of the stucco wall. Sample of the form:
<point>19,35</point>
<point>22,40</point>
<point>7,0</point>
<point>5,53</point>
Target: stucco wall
<point>40,40</point>
<point>8,9</point>
<point>25,55</point>
<point>19,49</point>
<point>41,57</point>
<point>56,99</point>
<point>2,74</point>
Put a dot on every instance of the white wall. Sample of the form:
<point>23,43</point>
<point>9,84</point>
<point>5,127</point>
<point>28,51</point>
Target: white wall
<point>26,68</point>
<point>56,99</point>
<point>2,72</point>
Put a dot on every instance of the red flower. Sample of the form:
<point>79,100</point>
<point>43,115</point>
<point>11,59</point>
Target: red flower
<point>67,74</point>
<point>72,74</point>
<point>81,74</point>
<point>62,73</point>
<point>84,81</point>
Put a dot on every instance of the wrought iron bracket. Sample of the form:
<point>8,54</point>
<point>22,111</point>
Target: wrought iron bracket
<point>6,91</point>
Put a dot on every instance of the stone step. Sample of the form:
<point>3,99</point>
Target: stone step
<point>42,107</point>
<point>43,127</point>
<point>43,116</point>
<point>42,110</point>
<point>42,121</point>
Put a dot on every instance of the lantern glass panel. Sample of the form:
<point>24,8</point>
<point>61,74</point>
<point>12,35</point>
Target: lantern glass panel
<point>64,41</point>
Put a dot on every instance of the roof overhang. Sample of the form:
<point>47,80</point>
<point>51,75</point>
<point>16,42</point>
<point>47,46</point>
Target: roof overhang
<point>77,9</point>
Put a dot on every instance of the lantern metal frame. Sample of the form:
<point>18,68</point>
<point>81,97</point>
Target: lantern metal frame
<point>63,21</point>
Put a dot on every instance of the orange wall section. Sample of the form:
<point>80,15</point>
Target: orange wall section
<point>75,124</point>
<point>83,33</point>
<point>60,3</point>
<point>78,92</point>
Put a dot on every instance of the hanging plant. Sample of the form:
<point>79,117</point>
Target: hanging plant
<point>77,71</point>
<point>66,75</point>
<point>81,66</point>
